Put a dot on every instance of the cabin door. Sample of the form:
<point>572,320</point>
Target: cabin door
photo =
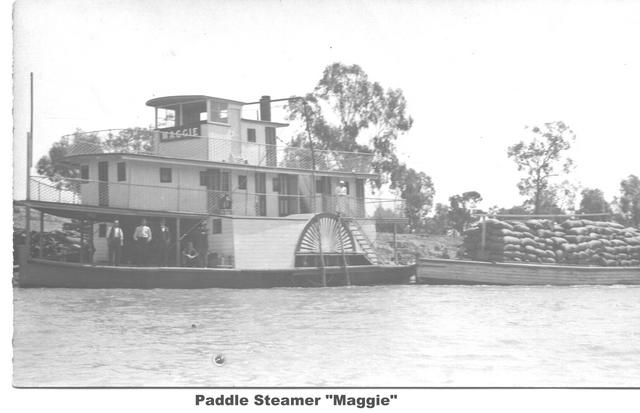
<point>270,140</point>
<point>218,198</point>
<point>103,184</point>
<point>288,199</point>
<point>261,194</point>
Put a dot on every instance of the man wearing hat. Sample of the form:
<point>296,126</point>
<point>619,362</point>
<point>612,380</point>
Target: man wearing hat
<point>341,198</point>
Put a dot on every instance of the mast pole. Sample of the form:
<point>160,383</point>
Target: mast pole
<point>313,183</point>
<point>313,157</point>
<point>30,139</point>
<point>29,162</point>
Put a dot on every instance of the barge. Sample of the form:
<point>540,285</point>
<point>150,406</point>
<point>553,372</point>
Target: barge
<point>460,272</point>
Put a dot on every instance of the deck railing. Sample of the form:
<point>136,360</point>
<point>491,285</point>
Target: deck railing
<point>230,150</point>
<point>203,201</point>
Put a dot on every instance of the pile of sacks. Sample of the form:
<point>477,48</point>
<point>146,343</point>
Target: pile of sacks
<point>579,242</point>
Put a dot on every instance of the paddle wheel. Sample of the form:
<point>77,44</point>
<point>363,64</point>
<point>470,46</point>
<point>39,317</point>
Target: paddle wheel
<point>326,240</point>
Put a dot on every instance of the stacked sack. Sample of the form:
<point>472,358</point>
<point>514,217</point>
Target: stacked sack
<point>580,242</point>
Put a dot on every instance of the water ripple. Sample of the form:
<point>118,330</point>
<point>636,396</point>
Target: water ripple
<point>351,336</point>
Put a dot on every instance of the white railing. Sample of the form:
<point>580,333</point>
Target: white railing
<point>144,141</point>
<point>201,200</point>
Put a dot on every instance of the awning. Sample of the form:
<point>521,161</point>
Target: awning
<point>96,213</point>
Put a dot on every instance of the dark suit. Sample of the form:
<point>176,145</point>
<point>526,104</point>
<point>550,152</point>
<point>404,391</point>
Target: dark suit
<point>164,245</point>
<point>114,242</point>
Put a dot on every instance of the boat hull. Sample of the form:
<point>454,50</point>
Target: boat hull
<point>51,274</point>
<point>455,272</point>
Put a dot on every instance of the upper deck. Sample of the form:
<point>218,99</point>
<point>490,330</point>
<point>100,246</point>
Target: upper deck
<point>222,150</point>
<point>206,128</point>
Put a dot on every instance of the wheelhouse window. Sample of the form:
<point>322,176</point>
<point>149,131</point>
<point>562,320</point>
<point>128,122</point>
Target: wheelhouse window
<point>165,175</point>
<point>251,135</point>
<point>122,171</point>
<point>193,113</point>
<point>242,181</point>
<point>84,172</point>
<point>219,112</point>
<point>167,117</point>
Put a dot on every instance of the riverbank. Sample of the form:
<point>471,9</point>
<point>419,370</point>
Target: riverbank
<point>423,245</point>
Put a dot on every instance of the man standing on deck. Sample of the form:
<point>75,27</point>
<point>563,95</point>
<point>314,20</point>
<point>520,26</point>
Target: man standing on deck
<point>115,241</point>
<point>165,243</point>
<point>341,198</point>
<point>142,239</point>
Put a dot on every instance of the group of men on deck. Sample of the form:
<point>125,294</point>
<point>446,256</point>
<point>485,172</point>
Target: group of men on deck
<point>157,247</point>
<point>142,238</point>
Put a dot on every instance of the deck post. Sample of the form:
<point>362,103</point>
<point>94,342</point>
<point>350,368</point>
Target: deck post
<point>91,242</point>
<point>41,240</point>
<point>82,241</point>
<point>483,240</point>
<point>178,242</point>
<point>395,243</point>
<point>344,257</point>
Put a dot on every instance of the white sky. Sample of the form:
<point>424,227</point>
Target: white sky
<point>474,72</point>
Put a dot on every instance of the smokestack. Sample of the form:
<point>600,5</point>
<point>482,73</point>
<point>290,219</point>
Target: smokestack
<point>265,108</point>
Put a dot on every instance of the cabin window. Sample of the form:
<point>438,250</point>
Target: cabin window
<point>122,171</point>
<point>84,172</point>
<point>216,226</point>
<point>242,181</point>
<point>276,184</point>
<point>165,175</point>
<point>251,135</point>
<point>319,186</point>
<point>219,112</point>
<point>102,230</point>
<point>261,183</point>
<point>203,178</point>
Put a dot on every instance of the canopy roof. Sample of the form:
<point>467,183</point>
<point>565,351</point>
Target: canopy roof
<point>79,211</point>
<point>174,100</point>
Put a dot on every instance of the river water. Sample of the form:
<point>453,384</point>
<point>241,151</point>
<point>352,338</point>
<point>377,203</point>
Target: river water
<point>351,336</point>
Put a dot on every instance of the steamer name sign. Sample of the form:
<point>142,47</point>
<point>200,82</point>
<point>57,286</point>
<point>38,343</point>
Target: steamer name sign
<point>178,133</point>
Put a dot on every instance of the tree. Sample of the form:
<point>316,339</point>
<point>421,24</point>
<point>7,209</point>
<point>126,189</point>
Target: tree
<point>514,210</point>
<point>459,213</point>
<point>416,188</point>
<point>629,201</point>
<point>381,213</point>
<point>593,202</point>
<point>440,223</point>
<point>131,140</point>
<point>542,158</point>
<point>361,116</point>
<point>53,164</point>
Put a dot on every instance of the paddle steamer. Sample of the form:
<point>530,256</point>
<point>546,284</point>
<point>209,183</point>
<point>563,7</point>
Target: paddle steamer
<point>267,214</point>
